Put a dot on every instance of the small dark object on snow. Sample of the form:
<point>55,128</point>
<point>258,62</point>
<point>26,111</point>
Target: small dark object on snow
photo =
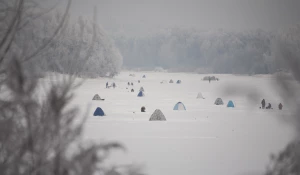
<point>143,109</point>
<point>280,106</point>
<point>132,90</point>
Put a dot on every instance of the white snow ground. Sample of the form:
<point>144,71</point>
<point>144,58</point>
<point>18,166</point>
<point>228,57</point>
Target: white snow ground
<point>205,139</point>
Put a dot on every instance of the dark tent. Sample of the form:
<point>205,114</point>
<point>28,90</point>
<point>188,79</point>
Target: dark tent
<point>141,94</point>
<point>99,112</point>
<point>157,116</point>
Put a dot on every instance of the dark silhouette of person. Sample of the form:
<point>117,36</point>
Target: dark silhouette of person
<point>106,84</point>
<point>128,84</point>
<point>139,81</point>
<point>114,85</point>
<point>209,79</point>
<point>131,84</point>
<point>143,109</point>
<point>280,106</point>
<point>132,90</point>
<point>269,106</point>
<point>263,104</point>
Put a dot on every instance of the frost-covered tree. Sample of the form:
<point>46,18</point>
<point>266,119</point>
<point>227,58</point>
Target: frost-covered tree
<point>287,53</point>
<point>82,48</point>
<point>40,135</point>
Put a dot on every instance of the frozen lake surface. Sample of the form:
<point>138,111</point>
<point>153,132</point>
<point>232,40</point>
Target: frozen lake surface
<point>205,139</point>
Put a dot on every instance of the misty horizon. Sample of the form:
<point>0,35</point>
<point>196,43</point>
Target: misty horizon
<point>140,18</point>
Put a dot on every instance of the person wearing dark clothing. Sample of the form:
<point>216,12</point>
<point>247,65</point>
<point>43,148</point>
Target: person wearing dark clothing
<point>209,79</point>
<point>143,109</point>
<point>114,85</point>
<point>131,84</point>
<point>128,84</point>
<point>269,106</point>
<point>132,90</point>
<point>280,106</point>
<point>106,84</point>
<point>139,81</point>
<point>263,104</point>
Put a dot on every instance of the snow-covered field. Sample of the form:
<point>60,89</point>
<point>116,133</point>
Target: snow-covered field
<point>205,139</point>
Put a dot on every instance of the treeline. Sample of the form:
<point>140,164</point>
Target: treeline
<point>201,51</point>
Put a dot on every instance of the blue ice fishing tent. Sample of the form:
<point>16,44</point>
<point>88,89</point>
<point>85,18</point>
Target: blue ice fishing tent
<point>230,104</point>
<point>178,82</point>
<point>99,112</point>
<point>141,94</point>
<point>179,106</point>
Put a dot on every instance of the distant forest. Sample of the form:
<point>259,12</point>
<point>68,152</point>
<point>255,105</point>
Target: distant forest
<point>217,51</point>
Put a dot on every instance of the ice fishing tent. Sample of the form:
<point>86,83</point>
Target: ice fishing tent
<point>179,106</point>
<point>141,94</point>
<point>178,82</point>
<point>144,76</point>
<point>96,97</point>
<point>171,81</point>
<point>230,104</point>
<point>142,89</point>
<point>219,101</point>
<point>99,112</point>
<point>157,116</point>
<point>200,95</point>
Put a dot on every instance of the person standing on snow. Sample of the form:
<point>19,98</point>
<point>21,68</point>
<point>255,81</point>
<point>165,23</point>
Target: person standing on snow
<point>263,104</point>
<point>280,106</point>
<point>106,84</point>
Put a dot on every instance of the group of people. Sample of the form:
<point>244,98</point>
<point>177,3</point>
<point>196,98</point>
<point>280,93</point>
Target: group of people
<point>263,105</point>
<point>113,85</point>
<point>130,84</point>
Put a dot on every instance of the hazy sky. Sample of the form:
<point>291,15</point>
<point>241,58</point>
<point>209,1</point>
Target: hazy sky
<point>134,17</point>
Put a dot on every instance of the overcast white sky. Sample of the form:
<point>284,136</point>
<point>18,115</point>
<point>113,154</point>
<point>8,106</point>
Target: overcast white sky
<point>135,17</point>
